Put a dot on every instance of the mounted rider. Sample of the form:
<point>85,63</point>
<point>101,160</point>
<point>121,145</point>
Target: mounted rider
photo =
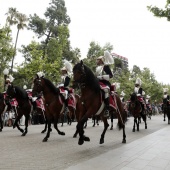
<point>122,94</point>
<point>9,80</point>
<point>104,73</point>
<point>166,95</point>
<point>147,100</point>
<point>139,93</point>
<point>66,72</point>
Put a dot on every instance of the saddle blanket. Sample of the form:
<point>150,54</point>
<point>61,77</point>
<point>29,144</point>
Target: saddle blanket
<point>40,103</point>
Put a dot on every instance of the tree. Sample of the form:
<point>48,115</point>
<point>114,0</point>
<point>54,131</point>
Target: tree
<point>6,50</point>
<point>21,24</point>
<point>19,19</point>
<point>56,17</point>
<point>158,12</point>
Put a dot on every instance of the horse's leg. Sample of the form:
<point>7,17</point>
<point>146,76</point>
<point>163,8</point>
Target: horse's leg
<point>111,118</point>
<point>48,131</point>
<point>16,123</point>
<point>80,125</point>
<point>106,125</point>
<point>124,135</point>
<point>85,125</point>
<point>56,127</point>
<point>164,116</point>
<point>145,122</point>
<point>26,125</point>
<point>94,120</point>
<point>138,120</point>
<point>76,133</point>
<point>134,122</point>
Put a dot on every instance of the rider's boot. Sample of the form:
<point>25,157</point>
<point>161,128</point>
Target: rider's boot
<point>106,111</point>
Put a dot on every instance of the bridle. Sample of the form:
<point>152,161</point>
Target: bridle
<point>14,90</point>
<point>38,84</point>
<point>81,80</point>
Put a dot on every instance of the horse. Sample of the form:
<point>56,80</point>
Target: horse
<point>23,108</point>
<point>135,108</point>
<point>6,106</point>
<point>92,102</point>
<point>166,109</point>
<point>54,105</point>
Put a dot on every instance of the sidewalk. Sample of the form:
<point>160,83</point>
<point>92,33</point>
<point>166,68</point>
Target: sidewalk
<point>151,152</point>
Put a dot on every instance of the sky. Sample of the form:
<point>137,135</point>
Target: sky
<point>126,24</point>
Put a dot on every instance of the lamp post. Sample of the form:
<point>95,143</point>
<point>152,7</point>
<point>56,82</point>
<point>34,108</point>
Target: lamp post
<point>5,72</point>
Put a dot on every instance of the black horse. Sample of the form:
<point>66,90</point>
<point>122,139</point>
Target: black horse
<point>24,105</point>
<point>135,107</point>
<point>166,109</point>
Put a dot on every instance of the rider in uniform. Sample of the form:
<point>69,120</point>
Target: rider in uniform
<point>139,93</point>
<point>166,95</point>
<point>66,72</point>
<point>9,81</point>
<point>122,94</point>
<point>104,73</point>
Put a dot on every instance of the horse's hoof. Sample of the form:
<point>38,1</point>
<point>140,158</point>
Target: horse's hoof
<point>21,130</point>
<point>23,134</point>
<point>14,126</point>
<point>43,131</point>
<point>111,128</point>
<point>0,130</point>
<point>101,141</point>
<point>80,142</point>
<point>146,127</point>
<point>62,133</point>
<point>133,130</point>
<point>87,139</point>
<point>74,136</point>
<point>164,120</point>
<point>93,126</point>
<point>124,141</point>
<point>45,140</point>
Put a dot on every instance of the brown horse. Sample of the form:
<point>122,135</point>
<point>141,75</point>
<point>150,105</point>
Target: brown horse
<point>136,110</point>
<point>24,106</point>
<point>91,102</point>
<point>54,106</point>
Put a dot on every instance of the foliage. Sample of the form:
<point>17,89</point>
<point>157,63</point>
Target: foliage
<point>158,12</point>
<point>6,51</point>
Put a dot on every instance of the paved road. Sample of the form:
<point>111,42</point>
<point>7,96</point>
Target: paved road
<point>60,152</point>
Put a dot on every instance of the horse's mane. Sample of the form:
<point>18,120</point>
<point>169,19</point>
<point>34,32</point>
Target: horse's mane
<point>91,80</point>
<point>21,92</point>
<point>133,97</point>
<point>51,86</point>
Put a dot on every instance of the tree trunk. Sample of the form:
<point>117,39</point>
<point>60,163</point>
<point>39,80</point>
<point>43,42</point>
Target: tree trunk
<point>14,51</point>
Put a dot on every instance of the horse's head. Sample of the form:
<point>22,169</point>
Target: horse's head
<point>37,86</point>
<point>133,99</point>
<point>11,92</point>
<point>79,73</point>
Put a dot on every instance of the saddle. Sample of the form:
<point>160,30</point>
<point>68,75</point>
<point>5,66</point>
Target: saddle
<point>112,100</point>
